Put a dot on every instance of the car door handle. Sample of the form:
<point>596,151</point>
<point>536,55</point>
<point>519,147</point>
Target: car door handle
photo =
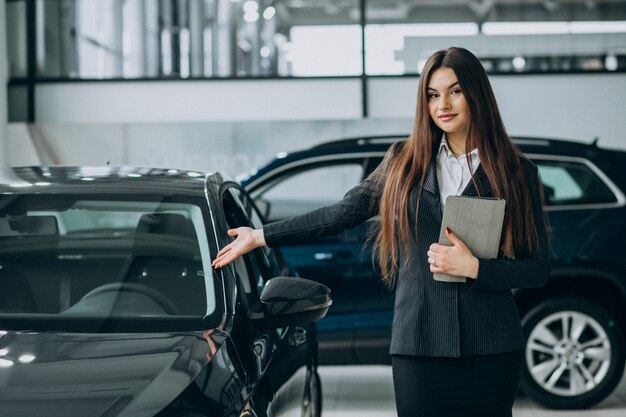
<point>298,337</point>
<point>329,256</point>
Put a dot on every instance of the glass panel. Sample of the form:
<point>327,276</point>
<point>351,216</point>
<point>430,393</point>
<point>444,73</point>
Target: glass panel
<point>68,258</point>
<point>248,267</point>
<point>197,38</point>
<point>572,183</point>
<point>18,103</point>
<point>508,37</point>
<point>16,39</point>
<point>267,255</point>
<point>310,189</point>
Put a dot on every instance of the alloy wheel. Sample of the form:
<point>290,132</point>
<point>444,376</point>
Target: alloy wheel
<point>568,353</point>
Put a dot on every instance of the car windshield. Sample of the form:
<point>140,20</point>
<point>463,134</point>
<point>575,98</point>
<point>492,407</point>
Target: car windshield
<point>70,262</point>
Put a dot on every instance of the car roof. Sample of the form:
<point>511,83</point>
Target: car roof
<point>380,143</point>
<point>525,143</point>
<point>107,180</point>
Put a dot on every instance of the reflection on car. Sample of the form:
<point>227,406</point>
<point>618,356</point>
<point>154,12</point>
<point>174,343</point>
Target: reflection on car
<point>109,305</point>
<point>574,326</point>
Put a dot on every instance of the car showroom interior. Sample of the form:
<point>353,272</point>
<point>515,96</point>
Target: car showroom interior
<point>273,208</point>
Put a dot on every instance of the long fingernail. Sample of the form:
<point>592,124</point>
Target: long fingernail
<point>448,229</point>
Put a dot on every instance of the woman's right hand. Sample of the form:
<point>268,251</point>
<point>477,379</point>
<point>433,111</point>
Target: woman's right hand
<point>247,239</point>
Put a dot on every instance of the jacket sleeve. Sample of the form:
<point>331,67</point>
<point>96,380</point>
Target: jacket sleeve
<point>358,205</point>
<point>499,274</point>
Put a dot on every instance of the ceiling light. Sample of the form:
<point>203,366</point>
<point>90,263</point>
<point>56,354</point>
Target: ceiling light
<point>610,63</point>
<point>269,13</point>
<point>519,63</point>
<point>250,7</point>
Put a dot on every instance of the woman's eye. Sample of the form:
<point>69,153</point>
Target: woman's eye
<point>456,91</point>
<point>432,95</point>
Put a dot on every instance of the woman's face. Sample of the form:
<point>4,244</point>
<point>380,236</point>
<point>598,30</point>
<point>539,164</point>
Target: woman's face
<point>446,102</point>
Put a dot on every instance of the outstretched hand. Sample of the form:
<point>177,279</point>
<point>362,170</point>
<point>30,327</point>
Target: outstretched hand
<point>247,240</point>
<point>453,260</point>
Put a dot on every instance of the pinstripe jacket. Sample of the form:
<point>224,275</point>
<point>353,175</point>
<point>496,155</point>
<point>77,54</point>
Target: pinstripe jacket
<point>433,318</point>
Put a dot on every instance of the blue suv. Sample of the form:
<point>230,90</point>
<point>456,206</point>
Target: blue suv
<point>575,325</point>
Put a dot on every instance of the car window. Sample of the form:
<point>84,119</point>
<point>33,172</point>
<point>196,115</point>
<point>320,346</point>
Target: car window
<point>255,267</point>
<point>309,189</point>
<point>268,256</point>
<point>568,182</point>
<point>79,257</point>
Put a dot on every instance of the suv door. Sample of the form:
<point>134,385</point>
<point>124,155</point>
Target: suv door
<point>373,301</point>
<point>340,262</point>
<point>579,306</point>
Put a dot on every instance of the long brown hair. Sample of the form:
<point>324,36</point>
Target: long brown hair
<point>499,157</point>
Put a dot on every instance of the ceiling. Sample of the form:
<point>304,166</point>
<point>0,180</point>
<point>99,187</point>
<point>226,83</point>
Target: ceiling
<point>294,12</point>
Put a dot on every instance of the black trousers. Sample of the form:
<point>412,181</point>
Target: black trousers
<point>476,385</point>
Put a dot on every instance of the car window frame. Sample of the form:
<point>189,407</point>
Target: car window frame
<point>309,164</point>
<point>620,199</point>
<point>271,257</point>
<point>259,257</point>
<point>260,184</point>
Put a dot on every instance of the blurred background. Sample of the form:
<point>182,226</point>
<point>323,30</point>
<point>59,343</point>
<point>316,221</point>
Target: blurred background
<point>226,84</point>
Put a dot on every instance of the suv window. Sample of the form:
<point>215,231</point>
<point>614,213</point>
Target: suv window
<point>567,182</point>
<point>309,189</point>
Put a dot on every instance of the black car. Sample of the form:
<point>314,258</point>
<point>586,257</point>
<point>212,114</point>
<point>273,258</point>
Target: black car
<point>575,325</point>
<point>109,305</point>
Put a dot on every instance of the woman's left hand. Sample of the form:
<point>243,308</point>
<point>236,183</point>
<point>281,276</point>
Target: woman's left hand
<point>453,260</point>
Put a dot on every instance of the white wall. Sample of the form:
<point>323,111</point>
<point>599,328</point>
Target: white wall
<point>233,147</point>
<point>197,101</point>
<point>237,125</point>
<point>578,107</point>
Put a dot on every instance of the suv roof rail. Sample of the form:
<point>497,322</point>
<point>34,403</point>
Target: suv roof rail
<point>360,140</point>
<point>523,140</point>
<point>388,139</point>
<point>520,140</point>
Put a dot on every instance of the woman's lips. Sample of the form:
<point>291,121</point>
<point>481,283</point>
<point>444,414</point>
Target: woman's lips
<point>447,117</point>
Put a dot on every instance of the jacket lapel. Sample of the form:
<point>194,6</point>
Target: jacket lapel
<point>432,186</point>
<point>483,183</point>
<point>430,183</point>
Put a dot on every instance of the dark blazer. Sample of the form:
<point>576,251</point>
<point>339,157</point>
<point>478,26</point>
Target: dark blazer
<point>433,318</point>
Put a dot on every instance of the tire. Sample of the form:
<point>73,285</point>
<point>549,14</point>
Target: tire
<point>576,371</point>
<point>312,402</point>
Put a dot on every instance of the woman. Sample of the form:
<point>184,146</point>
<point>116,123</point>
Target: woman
<point>457,348</point>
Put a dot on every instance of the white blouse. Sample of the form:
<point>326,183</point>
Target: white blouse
<point>453,174</point>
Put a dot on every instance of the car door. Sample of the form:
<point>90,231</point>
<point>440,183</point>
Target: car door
<point>373,300</point>
<point>339,262</point>
<point>280,356</point>
<point>578,199</point>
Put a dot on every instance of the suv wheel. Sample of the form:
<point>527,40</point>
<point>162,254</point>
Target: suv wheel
<point>574,353</point>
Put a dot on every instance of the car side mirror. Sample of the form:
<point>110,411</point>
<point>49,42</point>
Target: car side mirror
<point>292,301</point>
